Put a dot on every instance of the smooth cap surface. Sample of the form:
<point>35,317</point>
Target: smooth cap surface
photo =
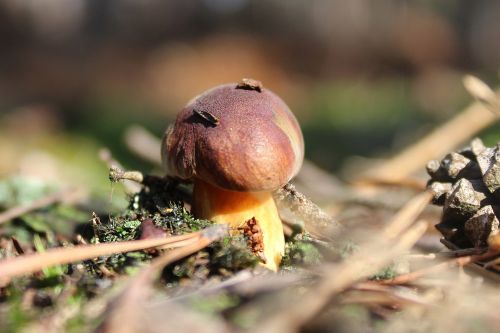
<point>239,137</point>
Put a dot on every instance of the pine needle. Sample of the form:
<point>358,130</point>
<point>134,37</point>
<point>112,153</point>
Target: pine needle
<point>30,263</point>
<point>436,144</point>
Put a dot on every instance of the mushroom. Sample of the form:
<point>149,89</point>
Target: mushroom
<point>238,142</point>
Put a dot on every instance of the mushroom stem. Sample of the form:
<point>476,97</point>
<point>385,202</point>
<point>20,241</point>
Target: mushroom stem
<point>235,208</point>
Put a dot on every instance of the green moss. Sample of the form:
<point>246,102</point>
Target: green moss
<point>389,272</point>
<point>158,201</point>
<point>56,219</point>
<point>232,254</point>
<point>119,229</point>
<point>300,251</point>
<point>215,303</point>
<point>14,318</point>
<point>221,258</point>
<point>53,272</point>
<point>75,324</point>
<point>16,191</point>
<point>348,248</point>
<point>177,220</point>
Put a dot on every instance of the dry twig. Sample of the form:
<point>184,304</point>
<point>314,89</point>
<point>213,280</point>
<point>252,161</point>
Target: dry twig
<point>483,93</point>
<point>130,184</point>
<point>116,174</point>
<point>315,219</point>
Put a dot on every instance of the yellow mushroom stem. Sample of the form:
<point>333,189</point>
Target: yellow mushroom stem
<point>235,208</point>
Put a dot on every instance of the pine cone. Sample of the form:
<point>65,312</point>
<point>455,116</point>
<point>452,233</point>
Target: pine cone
<point>467,184</point>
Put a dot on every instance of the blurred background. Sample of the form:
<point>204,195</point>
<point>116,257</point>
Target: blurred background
<point>364,78</point>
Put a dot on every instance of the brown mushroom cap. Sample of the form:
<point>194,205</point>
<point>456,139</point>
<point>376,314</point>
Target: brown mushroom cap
<point>237,137</point>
